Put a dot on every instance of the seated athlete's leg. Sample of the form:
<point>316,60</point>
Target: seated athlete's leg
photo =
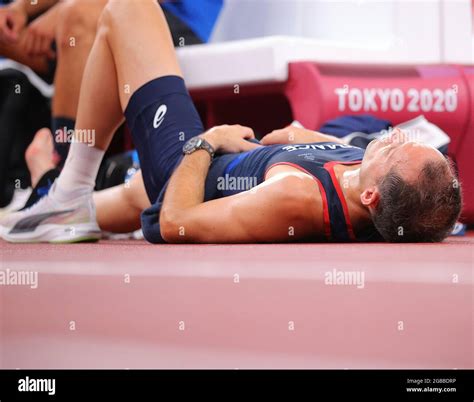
<point>75,36</point>
<point>99,114</point>
<point>125,56</point>
<point>39,155</point>
<point>67,214</point>
<point>141,42</point>
<point>157,106</point>
<point>119,208</point>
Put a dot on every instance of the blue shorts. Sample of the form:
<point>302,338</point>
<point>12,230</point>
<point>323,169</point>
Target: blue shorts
<point>162,117</point>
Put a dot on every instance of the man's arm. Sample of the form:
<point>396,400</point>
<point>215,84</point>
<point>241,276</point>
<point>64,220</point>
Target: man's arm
<point>40,34</point>
<point>14,17</point>
<point>284,208</point>
<point>33,7</point>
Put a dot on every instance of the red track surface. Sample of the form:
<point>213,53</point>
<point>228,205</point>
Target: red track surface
<point>238,324</point>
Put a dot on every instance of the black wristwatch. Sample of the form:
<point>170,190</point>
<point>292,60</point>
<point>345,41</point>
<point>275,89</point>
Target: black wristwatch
<point>197,143</point>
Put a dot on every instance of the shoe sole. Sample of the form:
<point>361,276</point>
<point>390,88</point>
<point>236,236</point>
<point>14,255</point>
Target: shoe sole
<point>57,234</point>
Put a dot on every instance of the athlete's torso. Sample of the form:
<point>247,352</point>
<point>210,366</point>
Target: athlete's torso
<point>232,174</point>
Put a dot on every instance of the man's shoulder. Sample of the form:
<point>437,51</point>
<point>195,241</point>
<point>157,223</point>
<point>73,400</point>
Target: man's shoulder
<point>299,195</point>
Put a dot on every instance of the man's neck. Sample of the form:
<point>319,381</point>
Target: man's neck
<point>349,181</point>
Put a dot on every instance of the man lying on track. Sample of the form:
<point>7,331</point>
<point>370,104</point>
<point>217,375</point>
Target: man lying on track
<point>304,186</point>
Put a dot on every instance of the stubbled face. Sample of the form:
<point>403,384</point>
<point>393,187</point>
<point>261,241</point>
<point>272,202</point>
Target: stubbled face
<point>395,151</point>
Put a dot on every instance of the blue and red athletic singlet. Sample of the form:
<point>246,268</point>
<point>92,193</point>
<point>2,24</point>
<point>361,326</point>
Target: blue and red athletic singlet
<point>316,159</point>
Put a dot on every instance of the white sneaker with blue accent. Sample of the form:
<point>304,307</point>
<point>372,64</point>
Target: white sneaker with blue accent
<point>51,222</point>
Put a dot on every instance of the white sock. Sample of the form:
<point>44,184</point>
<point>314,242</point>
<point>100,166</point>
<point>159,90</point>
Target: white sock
<point>79,173</point>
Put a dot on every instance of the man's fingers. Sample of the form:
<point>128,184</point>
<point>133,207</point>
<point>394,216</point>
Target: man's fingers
<point>37,48</point>
<point>13,28</point>
<point>38,45</point>
<point>46,46</point>
<point>266,140</point>
<point>3,26</point>
<point>33,45</point>
<point>246,132</point>
<point>27,43</point>
<point>8,35</point>
<point>16,29</point>
<point>282,136</point>
<point>30,44</point>
<point>270,139</point>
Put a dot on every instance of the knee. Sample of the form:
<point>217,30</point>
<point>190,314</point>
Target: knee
<point>114,9</point>
<point>78,21</point>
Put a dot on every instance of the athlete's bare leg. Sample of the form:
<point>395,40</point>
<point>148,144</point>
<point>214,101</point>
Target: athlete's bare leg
<point>74,39</point>
<point>142,52</point>
<point>125,56</point>
<point>40,156</point>
<point>119,208</point>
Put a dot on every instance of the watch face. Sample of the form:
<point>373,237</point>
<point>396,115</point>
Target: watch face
<point>192,144</point>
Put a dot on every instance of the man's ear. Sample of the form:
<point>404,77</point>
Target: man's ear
<point>370,197</point>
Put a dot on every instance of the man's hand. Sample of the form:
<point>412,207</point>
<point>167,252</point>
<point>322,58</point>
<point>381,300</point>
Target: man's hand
<point>40,34</point>
<point>13,19</point>
<point>296,135</point>
<point>230,139</point>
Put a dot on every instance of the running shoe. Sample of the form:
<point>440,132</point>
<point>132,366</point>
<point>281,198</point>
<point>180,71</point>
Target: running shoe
<point>51,222</point>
